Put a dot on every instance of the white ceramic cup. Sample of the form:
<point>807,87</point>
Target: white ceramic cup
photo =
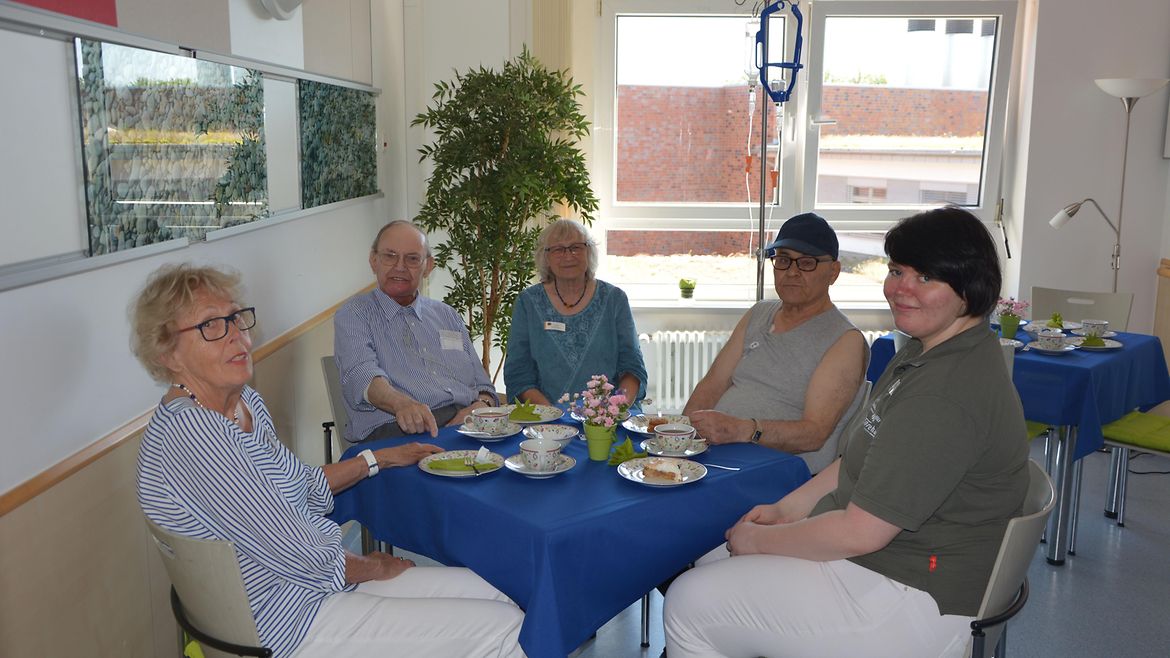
<point>1094,327</point>
<point>674,436</point>
<point>1050,339</point>
<point>489,419</point>
<point>541,455</point>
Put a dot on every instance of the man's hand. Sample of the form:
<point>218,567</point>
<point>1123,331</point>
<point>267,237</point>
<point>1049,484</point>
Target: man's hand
<point>717,427</point>
<point>415,418</point>
<point>463,413</point>
<point>404,455</point>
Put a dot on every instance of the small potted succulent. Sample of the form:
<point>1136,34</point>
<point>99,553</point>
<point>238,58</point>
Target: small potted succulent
<point>686,288</point>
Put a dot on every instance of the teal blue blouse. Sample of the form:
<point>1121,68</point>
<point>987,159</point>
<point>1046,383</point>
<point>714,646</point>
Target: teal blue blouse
<point>600,340</point>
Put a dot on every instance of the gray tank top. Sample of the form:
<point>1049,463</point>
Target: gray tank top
<point>771,379</point>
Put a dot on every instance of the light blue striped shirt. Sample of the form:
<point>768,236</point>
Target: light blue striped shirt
<point>422,349</point>
<point>200,475</point>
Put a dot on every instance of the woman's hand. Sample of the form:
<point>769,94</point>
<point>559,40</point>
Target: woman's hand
<point>767,515</point>
<point>717,427</point>
<point>387,566</point>
<point>404,455</point>
<point>741,537</point>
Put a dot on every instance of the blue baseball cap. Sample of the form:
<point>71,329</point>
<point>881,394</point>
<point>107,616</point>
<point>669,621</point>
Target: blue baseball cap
<point>807,233</point>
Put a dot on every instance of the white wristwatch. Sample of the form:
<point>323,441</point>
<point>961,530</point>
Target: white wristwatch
<point>371,460</point>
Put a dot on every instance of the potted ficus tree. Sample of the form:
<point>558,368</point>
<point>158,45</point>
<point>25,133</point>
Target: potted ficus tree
<point>504,156</point>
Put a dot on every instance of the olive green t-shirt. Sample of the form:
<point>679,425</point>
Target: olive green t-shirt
<point>941,452</point>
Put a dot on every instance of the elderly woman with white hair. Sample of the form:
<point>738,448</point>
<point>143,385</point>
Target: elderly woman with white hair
<point>211,467</point>
<point>571,326</point>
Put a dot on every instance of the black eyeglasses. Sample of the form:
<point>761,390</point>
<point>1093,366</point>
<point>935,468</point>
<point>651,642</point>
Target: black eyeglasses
<point>217,328</point>
<point>391,259</point>
<point>803,263</point>
<point>573,249</point>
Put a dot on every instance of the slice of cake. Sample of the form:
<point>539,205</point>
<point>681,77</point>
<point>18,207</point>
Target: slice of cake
<point>662,470</point>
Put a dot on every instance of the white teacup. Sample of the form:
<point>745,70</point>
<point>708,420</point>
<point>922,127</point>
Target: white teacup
<point>674,436</point>
<point>540,455</point>
<point>1050,339</point>
<point>488,419</point>
<point>1094,327</point>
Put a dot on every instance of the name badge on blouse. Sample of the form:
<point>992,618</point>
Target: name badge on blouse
<point>554,326</point>
<point>450,340</point>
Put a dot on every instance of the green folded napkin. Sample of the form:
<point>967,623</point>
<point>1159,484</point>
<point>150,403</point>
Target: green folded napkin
<point>456,464</point>
<point>524,411</point>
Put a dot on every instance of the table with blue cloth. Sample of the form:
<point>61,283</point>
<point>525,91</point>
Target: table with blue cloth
<point>1076,392</point>
<point>573,550</point>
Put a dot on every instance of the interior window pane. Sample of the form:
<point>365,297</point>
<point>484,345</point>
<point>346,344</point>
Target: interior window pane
<point>649,264</point>
<point>910,98</point>
<point>687,118</point>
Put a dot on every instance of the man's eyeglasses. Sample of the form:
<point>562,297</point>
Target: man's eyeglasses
<point>391,258</point>
<point>217,328</point>
<point>573,249</point>
<point>803,263</point>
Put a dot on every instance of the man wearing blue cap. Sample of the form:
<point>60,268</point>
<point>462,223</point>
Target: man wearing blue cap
<point>792,373</point>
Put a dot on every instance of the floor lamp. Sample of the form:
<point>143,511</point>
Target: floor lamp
<point>1129,90</point>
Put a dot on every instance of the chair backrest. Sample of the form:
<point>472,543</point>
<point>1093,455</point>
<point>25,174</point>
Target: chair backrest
<point>1017,549</point>
<point>206,576</point>
<point>1075,305</point>
<point>1009,356</point>
<point>336,400</point>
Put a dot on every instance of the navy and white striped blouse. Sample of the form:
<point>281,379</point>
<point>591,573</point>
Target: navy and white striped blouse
<point>200,475</point>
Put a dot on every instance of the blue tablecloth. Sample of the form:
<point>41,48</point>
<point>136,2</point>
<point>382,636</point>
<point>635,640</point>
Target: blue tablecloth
<point>1082,388</point>
<point>573,550</point>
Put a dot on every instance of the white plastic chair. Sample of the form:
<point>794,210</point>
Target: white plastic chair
<point>1075,305</point>
<point>207,594</point>
<point>336,406</point>
<point>1007,590</point>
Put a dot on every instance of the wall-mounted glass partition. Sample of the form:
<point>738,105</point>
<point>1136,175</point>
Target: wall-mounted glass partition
<point>338,143</point>
<point>173,146</point>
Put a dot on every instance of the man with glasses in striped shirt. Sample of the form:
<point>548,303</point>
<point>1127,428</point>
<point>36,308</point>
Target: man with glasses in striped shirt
<point>406,361</point>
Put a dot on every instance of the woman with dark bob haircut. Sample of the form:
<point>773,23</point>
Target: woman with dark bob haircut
<point>888,550</point>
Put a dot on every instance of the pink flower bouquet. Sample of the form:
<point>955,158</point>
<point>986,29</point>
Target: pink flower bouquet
<point>599,404</point>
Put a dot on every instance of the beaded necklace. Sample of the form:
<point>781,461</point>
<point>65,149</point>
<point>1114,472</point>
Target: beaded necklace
<point>235,417</point>
<point>567,304</point>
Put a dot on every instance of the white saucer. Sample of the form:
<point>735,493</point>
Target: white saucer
<point>698,447</point>
<point>640,423</point>
<point>1016,344</point>
<point>509,429</point>
<point>561,433</point>
<point>1064,349</point>
<point>516,463</point>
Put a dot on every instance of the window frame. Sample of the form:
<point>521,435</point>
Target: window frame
<point>799,158</point>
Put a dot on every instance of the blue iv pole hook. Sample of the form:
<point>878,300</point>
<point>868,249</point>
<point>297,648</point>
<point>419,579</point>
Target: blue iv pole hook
<point>778,95</point>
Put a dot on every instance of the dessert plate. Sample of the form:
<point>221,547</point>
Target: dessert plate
<point>1109,345</point>
<point>1063,349</point>
<point>547,414</point>
<point>1081,332</point>
<point>641,423</point>
<point>561,433</point>
<point>455,459</point>
<point>632,471</point>
<point>1016,344</point>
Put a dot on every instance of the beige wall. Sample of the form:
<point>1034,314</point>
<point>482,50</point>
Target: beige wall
<point>78,573</point>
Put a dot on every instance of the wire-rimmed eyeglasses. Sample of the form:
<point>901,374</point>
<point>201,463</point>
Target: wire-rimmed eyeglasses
<point>216,328</point>
<point>572,249</point>
<point>803,263</point>
<point>392,258</point>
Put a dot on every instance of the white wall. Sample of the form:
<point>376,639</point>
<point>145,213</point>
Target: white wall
<point>68,376</point>
<point>1071,149</point>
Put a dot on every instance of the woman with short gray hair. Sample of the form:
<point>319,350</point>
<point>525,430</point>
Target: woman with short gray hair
<point>571,326</point>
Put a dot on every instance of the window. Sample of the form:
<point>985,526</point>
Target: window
<point>899,108</point>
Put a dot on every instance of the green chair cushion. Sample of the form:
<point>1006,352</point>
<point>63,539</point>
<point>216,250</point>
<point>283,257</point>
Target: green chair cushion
<point>1140,429</point>
<point>1036,429</point>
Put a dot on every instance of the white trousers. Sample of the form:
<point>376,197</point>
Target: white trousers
<point>768,605</point>
<point>424,611</point>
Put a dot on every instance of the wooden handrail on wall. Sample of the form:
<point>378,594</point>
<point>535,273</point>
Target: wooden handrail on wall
<point>43,481</point>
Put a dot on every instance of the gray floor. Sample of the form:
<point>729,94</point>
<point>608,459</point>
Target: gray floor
<point>1110,599</point>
